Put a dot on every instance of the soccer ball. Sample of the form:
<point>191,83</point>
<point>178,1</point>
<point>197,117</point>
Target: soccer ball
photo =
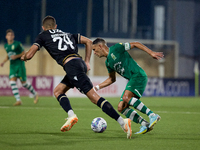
<point>98,125</point>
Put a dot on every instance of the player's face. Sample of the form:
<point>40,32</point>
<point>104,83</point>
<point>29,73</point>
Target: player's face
<point>97,50</point>
<point>10,36</point>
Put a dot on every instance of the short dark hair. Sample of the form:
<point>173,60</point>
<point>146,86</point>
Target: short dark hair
<point>99,40</point>
<point>9,30</point>
<point>49,22</point>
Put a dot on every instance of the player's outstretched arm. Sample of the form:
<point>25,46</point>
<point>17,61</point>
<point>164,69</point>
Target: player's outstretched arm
<point>28,55</point>
<point>111,79</point>
<point>88,50</point>
<point>4,61</point>
<point>155,55</point>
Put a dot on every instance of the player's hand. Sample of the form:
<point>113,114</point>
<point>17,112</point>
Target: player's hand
<point>23,57</point>
<point>2,64</point>
<point>157,55</point>
<point>88,65</point>
<point>13,57</point>
<point>96,88</point>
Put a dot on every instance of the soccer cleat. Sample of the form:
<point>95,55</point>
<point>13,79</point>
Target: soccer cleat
<point>153,120</point>
<point>127,128</point>
<point>36,98</point>
<point>69,123</point>
<point>18,103</point>
<point>143,130</point>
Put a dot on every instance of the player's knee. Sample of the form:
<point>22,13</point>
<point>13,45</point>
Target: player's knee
<point>56,93</point>
<point>126,99</point>
<point>12,82</point>
<point>119,108</point>
<point>93,96</point>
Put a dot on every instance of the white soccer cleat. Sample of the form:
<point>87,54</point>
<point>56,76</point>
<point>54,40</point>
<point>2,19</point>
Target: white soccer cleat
<point>69,123</point>
<point>127,128</point>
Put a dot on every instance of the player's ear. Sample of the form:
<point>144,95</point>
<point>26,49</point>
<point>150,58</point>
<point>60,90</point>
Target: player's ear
<point>100,46</point>
<point>56,26</point>
<point>43,28</point>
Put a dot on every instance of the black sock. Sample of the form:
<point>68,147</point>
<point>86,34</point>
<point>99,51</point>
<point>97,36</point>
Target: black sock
<point>64,102</point>
<point>107,108</point>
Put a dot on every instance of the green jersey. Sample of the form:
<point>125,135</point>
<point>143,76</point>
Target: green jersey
<point>17,67</point>
<point>120,61</point>
<point>14,49</point>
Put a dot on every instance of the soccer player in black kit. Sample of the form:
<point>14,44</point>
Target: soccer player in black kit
<point>63,48</point>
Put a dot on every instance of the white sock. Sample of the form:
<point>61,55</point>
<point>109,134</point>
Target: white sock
<point>120,120</point>
<point>152,114</point>
<point>144,123</point>
<point>70,113</point>
<point>15,90</point>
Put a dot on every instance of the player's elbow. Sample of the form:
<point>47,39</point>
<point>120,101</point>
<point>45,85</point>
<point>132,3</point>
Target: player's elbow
<point>88,43</point>
<point>113,80</point>
<point>135,44</point>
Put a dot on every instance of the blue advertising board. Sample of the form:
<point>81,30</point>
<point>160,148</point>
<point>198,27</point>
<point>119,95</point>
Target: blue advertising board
<point>169,87</point>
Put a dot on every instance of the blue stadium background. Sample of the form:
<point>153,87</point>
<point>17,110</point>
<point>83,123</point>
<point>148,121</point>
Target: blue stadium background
<point>182,22</point>
<point>24,16</point>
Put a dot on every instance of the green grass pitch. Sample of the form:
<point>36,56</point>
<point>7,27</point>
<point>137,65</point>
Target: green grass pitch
<point>37,126</point>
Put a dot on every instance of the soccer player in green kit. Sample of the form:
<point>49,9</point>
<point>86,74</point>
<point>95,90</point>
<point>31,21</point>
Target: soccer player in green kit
<point>118,60</point>
<point>14,51</point>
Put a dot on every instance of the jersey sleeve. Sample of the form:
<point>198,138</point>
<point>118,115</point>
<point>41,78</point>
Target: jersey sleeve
<point>108,67</point>
<point>21,48</point>
<point>77,38</point>
<point>110,70</point>
<point>38,41</point>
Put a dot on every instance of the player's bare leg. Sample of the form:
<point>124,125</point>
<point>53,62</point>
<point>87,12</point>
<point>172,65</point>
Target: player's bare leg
<point>110,111</point>
<point>134,101</point>
<point>72,119</point>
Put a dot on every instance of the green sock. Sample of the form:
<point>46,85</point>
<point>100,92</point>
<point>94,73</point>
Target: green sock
<point>137,104</point>
<point>133,115</point>
<point>29,87</point>
<point>15,90</point>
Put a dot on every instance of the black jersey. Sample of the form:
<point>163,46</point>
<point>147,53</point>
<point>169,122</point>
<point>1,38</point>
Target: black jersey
<point>59,44</point>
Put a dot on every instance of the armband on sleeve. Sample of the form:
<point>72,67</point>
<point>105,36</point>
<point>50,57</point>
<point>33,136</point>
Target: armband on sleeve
<point>37,45</point>
<point>127,46</point>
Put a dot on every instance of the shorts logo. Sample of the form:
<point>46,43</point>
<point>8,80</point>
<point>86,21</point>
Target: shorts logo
<point>75,78</point>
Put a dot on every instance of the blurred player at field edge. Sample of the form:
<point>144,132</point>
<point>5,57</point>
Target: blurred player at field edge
<point>63,47</point>
<point>14,51</point>
<point>118,60</point>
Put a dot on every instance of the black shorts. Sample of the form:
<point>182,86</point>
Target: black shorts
<point>76,70</point>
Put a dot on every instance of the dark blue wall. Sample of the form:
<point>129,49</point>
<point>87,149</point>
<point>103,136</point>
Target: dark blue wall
<point>24,17</point>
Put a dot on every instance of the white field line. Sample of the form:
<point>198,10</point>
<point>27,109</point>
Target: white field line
<point>97,109</point>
